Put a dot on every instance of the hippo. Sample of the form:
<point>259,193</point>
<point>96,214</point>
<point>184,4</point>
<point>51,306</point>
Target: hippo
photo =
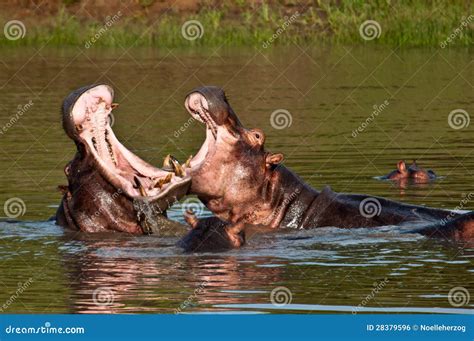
<point>249,189</point>
<point>414,173</point>
<point>110,188</point>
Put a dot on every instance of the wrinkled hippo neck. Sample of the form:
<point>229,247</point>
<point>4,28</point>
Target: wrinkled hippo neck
<point>289,198</point>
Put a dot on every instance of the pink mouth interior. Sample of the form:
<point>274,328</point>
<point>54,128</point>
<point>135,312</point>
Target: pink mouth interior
<point>198,108</point>
<point>125,170</point>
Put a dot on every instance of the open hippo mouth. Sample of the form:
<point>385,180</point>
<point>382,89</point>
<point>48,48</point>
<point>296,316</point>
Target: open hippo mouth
<point>209,105</point>
<point>86,119</point>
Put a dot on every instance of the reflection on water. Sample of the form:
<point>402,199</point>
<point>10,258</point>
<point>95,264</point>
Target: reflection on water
<point>325,270</point>
<point>329,93</point>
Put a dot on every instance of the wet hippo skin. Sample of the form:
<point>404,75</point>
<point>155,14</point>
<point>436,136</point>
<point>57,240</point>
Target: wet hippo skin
<point>246,186</point>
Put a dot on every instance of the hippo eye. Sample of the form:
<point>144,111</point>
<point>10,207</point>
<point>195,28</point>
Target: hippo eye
<point>257,136</point>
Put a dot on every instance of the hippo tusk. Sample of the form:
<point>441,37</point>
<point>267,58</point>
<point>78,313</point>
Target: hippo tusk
<point>191,218</point>
<point>187,164</point>
<point>171,164</point>
<point>162,181</point>
<point>140,187</point>
<point>167,163</point>
<point>177,168</point>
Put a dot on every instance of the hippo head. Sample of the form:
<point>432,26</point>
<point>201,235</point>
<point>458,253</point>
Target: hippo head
<point>106,180</point>
<point>414,173</point>
<point>232,167</point>
<point>400,173</point>
<point>419,174</point>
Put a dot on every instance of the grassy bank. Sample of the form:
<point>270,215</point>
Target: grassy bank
<point>238,23</point>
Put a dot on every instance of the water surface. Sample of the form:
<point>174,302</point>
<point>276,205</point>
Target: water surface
<point>329,92</point>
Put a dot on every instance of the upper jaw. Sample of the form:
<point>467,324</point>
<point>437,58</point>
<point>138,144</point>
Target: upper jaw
<point>71,101</point>
<point>209,105</point>
<point>198,107</point>
<point>86,120</point>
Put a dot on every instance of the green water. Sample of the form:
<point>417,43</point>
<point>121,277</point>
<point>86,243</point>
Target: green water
<point>329,93</point>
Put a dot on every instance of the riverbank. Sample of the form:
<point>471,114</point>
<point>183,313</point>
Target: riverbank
<point>237,23</point>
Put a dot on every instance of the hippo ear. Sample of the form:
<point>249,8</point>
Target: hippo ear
<point>273,159</point>
<point>402,167</point>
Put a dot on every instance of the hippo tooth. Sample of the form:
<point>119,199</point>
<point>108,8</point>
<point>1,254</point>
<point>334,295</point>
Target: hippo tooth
<point>94,143</point>
<point>167,163</point>
<point>177,168</point>
<point>143,193</point>
<point>162,181</point>
<point>170,164</point>
<point>191,218</point>
<point>188,162</point>
<point>99,133</point>
<point>209,121</point>
<point>168,178</point>
<point>109,147</point>
<point>140,187</point>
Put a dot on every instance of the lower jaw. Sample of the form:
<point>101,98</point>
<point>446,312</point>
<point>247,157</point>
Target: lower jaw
<point>119,172</point>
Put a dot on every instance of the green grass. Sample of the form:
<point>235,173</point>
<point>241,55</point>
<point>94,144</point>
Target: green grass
<point>407,23</point>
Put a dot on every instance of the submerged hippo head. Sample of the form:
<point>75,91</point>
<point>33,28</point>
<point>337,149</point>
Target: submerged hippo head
<point>232,169</point>
<point>414,172</point>
<point>109,187</point>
